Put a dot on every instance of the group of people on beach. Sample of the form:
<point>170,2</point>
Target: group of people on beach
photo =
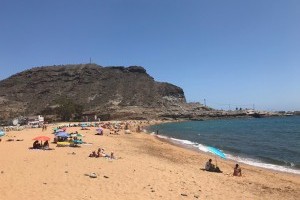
<point>101,153</point>
<point>37,145</point>
<point>237,171</point>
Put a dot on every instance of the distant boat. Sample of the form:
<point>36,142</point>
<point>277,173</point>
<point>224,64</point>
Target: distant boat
<point>254,114</point>
<point>288,114</point>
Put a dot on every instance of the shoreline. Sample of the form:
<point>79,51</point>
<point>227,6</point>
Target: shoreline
<point>145,168</point>
<point>192,148</point>
<point>242,160</point>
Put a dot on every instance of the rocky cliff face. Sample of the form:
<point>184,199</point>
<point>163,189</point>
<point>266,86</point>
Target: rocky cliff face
<point>120,92</point>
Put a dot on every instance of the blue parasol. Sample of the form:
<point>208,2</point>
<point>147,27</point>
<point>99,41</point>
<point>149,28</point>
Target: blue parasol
<point>62,134</point>
<point>217,152</point>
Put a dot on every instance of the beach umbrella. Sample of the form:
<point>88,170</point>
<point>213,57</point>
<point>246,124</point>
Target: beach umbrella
<point>216,152</point>
<point>62,134</point>
<point>41,138</point>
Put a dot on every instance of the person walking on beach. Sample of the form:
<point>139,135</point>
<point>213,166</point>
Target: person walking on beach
<point>237,171</point>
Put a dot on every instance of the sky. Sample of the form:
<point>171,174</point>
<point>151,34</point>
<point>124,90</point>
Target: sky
<point>231,53</point>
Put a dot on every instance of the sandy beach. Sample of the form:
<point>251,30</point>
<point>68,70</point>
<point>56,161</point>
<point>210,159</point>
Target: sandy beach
<point>145,168</point>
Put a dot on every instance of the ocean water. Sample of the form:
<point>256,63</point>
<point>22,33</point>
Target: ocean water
<point>272,143</point>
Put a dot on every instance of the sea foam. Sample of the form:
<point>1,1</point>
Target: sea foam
<point>249,161</point>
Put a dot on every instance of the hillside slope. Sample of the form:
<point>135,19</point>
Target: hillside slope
<point>120,92</point>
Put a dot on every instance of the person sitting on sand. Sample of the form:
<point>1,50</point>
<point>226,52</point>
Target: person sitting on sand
<point>209,166</point>
<point>99,153</point>
<point>112,155</point>
<point>46,145</point>
<point>237,171</point>
<point>36,145</point>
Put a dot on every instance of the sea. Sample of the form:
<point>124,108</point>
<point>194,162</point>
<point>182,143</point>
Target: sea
<point>272,143</point>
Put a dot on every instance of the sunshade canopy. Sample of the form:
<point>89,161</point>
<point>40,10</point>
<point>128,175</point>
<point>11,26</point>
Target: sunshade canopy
<point>216,152</point>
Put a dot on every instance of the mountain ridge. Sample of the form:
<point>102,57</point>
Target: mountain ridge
<point>115,91</point>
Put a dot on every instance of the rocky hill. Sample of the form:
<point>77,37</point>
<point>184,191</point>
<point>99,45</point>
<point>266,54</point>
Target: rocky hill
<point>116,92</point>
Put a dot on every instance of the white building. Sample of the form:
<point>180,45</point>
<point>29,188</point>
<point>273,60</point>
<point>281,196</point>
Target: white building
<point>35,121</point>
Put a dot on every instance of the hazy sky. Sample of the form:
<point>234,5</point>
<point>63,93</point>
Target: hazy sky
<point>227,51</point>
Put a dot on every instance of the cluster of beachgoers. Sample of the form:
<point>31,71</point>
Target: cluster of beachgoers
<point>146,166</point>
<point>74,139</point>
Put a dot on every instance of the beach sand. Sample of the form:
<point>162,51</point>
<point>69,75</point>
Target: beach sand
<point>146,168</point>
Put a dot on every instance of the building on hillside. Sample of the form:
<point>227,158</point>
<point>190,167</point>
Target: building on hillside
<point>35,121</point>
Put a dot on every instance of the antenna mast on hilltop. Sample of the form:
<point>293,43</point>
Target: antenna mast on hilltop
<point>205,102</point>
<point>90,60</point>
